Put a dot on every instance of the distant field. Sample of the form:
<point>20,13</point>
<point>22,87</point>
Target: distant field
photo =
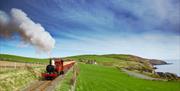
<point>17,64</point>
<point>118,60</point>
<point>101,78</point>
<point>14,58</point>
<point>99,59</point>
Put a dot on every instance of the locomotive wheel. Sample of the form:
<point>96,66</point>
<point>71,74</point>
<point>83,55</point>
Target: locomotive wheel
<point>49,78</point>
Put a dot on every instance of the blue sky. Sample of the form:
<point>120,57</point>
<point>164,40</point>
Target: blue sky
<point>147,28</point>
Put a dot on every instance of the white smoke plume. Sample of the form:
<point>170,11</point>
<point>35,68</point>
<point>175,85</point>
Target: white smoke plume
<point>33,33</point>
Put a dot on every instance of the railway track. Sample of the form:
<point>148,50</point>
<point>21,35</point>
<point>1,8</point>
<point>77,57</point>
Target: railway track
<point>43,85</point>
<point>40,86</point>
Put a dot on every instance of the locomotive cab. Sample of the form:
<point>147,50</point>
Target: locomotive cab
<point>59,66</point>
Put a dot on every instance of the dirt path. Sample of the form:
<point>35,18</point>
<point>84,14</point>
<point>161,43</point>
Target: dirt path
<point>138,75</point>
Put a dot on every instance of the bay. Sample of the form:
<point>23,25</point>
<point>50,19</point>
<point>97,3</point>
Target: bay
<point>173,67</point>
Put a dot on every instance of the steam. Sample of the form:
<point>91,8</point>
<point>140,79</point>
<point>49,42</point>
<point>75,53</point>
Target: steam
<point>30,32</point>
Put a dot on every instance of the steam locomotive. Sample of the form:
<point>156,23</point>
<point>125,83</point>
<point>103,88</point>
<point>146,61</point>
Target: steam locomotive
<point>56,67</point>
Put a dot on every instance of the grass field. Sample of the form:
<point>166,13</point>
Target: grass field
<point>65,84</point>
<point>101,78</point>
<point>118,60</point>
<point>14,58</point>
<point>16,79</point>
<point>99,59</point>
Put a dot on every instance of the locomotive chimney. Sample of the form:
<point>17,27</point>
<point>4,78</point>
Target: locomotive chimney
<point>51,61</point>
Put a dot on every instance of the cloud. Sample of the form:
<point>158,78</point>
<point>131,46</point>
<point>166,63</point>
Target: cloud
<point>3,18</point>
<point>30,32</point>
<point>123,16</point>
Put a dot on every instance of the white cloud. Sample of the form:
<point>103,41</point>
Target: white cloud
<point>30,32</point>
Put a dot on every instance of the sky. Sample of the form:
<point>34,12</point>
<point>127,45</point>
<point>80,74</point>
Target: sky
<point>146,28</point>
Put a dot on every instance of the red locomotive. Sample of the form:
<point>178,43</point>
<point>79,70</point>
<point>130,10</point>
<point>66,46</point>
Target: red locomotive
<point>56,67</point>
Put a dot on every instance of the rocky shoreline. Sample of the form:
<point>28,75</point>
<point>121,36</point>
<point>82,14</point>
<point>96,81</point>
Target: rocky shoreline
<point>163,75</point>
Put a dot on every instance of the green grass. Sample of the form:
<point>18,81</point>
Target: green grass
<point>93,57</point>
<point>65,84</point>
<point>101,60</point>
<point>101,78</point>
<point>14,58</point>
<point>118,60</point>
<point>108,57</point>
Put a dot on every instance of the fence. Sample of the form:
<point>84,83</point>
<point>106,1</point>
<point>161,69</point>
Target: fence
<point>6,65</point>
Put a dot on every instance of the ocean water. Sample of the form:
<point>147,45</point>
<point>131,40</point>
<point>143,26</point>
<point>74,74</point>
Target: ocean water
<point>172,68</point>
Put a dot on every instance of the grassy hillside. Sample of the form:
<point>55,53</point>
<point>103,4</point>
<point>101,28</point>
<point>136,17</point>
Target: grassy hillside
<point>119,60</point>
<point>14,58</point>
<point>103,78</point>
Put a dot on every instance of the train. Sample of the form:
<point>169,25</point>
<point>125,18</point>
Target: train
<point>56,67</point>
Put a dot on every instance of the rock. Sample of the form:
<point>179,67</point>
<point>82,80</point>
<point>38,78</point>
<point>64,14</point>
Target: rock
<point>157,62</point>
<point>171,76</point>
<point>160,74</point>
<point>167,75</point>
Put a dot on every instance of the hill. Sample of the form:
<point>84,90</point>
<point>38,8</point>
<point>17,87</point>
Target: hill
<point>99,58</point>
<point>157,62</point>
<point>120,60</point>
<point>129,62</point>
<point>14,58</point>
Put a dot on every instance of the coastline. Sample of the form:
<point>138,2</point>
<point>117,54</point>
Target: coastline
<point>170,67</point>
<point>162,64</point>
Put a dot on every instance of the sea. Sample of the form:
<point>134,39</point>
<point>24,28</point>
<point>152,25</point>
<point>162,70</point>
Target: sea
<point>172,67</point>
